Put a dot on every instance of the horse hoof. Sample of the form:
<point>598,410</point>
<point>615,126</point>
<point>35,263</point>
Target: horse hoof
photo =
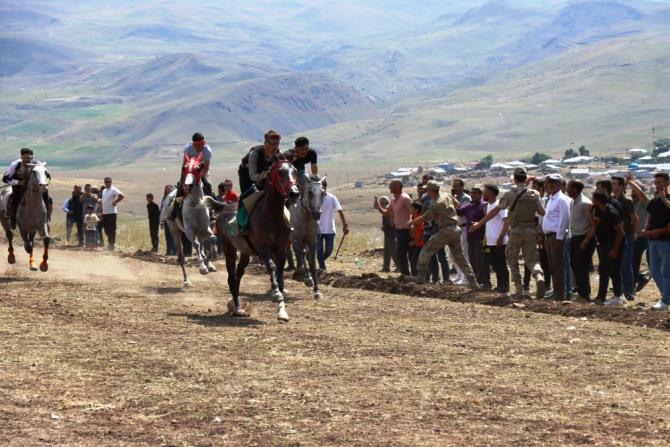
<point>240,313</point>
<point>187,284</point>
<point>318,296</point>
<point>211,268</point>
<point>309,282</point>
<point>277,296</point>
<point>282,316</point>
<point>11,259</point>
<point>44,267</point>
<point>203,270</point>
<point>33,268</point>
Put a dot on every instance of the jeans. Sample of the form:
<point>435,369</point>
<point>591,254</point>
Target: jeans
<point>477,260</point>
<point>555,249</point>
<point>153,232</point>
<point>402,239</point>
<point>438,262</point>
<point>109,225</point>
<point>414,258</point>
<point>71,222</point>
<point>389,249</point>
<point>568,270</point>
<point>627,274</point>
<point>581,263</point>
<point>169,242</point>
<point>609,268</point>
<point>496,260</point>
<point>659,264</point>
<point>322,252</point>
<point>639,248</point>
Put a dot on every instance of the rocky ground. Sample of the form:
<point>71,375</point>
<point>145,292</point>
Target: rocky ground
<point>111,350</point>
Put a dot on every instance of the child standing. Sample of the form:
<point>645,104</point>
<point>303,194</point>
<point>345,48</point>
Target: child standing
<point>91,225</point>
<point>417,241</point>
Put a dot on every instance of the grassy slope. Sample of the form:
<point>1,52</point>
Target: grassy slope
<point>607,96</point>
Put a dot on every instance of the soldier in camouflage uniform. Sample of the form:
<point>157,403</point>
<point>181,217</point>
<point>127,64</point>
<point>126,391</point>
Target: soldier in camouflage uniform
<point>443,212</point>
<point>522,203</point>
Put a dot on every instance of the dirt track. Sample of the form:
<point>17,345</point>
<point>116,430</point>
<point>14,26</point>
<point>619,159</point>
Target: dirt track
<point>105,350</point>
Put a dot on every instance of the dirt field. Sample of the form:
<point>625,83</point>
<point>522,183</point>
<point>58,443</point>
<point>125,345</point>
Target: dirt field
<point>104,350</point>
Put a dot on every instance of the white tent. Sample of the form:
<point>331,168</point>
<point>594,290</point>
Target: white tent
<point>637,152</point>
<point>551,161</point>
<point>664,155</point>
<point>578,160</point>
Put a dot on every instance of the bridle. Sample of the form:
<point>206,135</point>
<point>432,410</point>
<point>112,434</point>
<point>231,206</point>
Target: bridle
<point>192,166</point>
<point>303,193</point>
<point>275,179</point>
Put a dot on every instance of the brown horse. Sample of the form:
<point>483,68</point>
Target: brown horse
<point>267,237</point>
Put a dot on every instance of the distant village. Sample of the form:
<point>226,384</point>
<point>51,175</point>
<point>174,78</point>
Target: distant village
<point>585,167</point>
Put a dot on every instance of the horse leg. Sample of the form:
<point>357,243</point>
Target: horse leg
<point>197,246</point>
<point>280,258</point>
<point>11,259</point>
<point>311,254</point>
<point>176,236</point>
<point>211,253</point>
<point>277,296</point>
<point>29,244</point>
<point>238,274</point>
<point>44,265</point>
<point>308,278</point>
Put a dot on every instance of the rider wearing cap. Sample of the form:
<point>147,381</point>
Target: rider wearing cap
<point>258,161</point>
<point>16,175</point>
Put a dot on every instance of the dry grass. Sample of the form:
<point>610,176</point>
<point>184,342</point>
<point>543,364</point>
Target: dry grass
<point>110,351</point>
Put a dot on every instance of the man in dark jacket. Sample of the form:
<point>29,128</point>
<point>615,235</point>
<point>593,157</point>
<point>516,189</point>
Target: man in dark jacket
<point>154,221</point>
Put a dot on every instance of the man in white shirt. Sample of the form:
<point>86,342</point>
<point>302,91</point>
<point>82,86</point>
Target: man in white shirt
<point>111,196</point>
<point>326,237</point>
<point>555,226</point>
<point>581,221</point>
<point>496,242</point>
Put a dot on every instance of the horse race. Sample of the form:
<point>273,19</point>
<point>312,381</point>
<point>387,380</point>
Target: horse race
<point>320,223</point>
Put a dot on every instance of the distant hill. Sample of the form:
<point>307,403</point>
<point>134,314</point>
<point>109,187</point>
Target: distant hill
<point>33,56</point>
<point>240,111</point>
<point>607,96</point>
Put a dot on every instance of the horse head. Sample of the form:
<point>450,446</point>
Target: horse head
<point>312,196</point>
<point>283,179</point>
<point>39,178</point>
<point>192,169</point>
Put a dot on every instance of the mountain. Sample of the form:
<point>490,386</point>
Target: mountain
<point>288,103</point>
<point>16,17</point>
<point>605,95</point>
<point>494,10</point>
<point>19,55</point>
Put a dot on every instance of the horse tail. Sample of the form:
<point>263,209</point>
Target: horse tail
<point>212,203</point>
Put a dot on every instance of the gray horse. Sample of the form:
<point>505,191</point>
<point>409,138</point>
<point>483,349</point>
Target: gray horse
<point>31,216</point>
<point>195,221</point>
<point>305,214</point>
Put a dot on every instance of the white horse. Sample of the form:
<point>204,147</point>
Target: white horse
<point>31,215</point>
<point>195,221</point>
<point>305,214</point>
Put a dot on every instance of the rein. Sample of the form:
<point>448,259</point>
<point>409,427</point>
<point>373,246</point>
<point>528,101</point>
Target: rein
<point>275,180</point>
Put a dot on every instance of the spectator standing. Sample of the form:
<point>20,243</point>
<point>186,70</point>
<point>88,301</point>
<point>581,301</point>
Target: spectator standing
<point>170,249</point>
<point>609,231</point>
<point>400,211</point>
<point>581,222</point>
<point>474,211</point>
<point>522,204</point>
<point>154,214</point>
<point>382,204</point>
<point>630,223</point>
<point>98,212</point>
<point>496,242</point>
<point>74,215</point>
<point>111,196</point>
<point>326,237</point>
<point>417,242</point>
<point>462,198</point>
<point>641,242</point>
<point>658,233</point>
<point>555,226</point>
<point>91,226</point>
